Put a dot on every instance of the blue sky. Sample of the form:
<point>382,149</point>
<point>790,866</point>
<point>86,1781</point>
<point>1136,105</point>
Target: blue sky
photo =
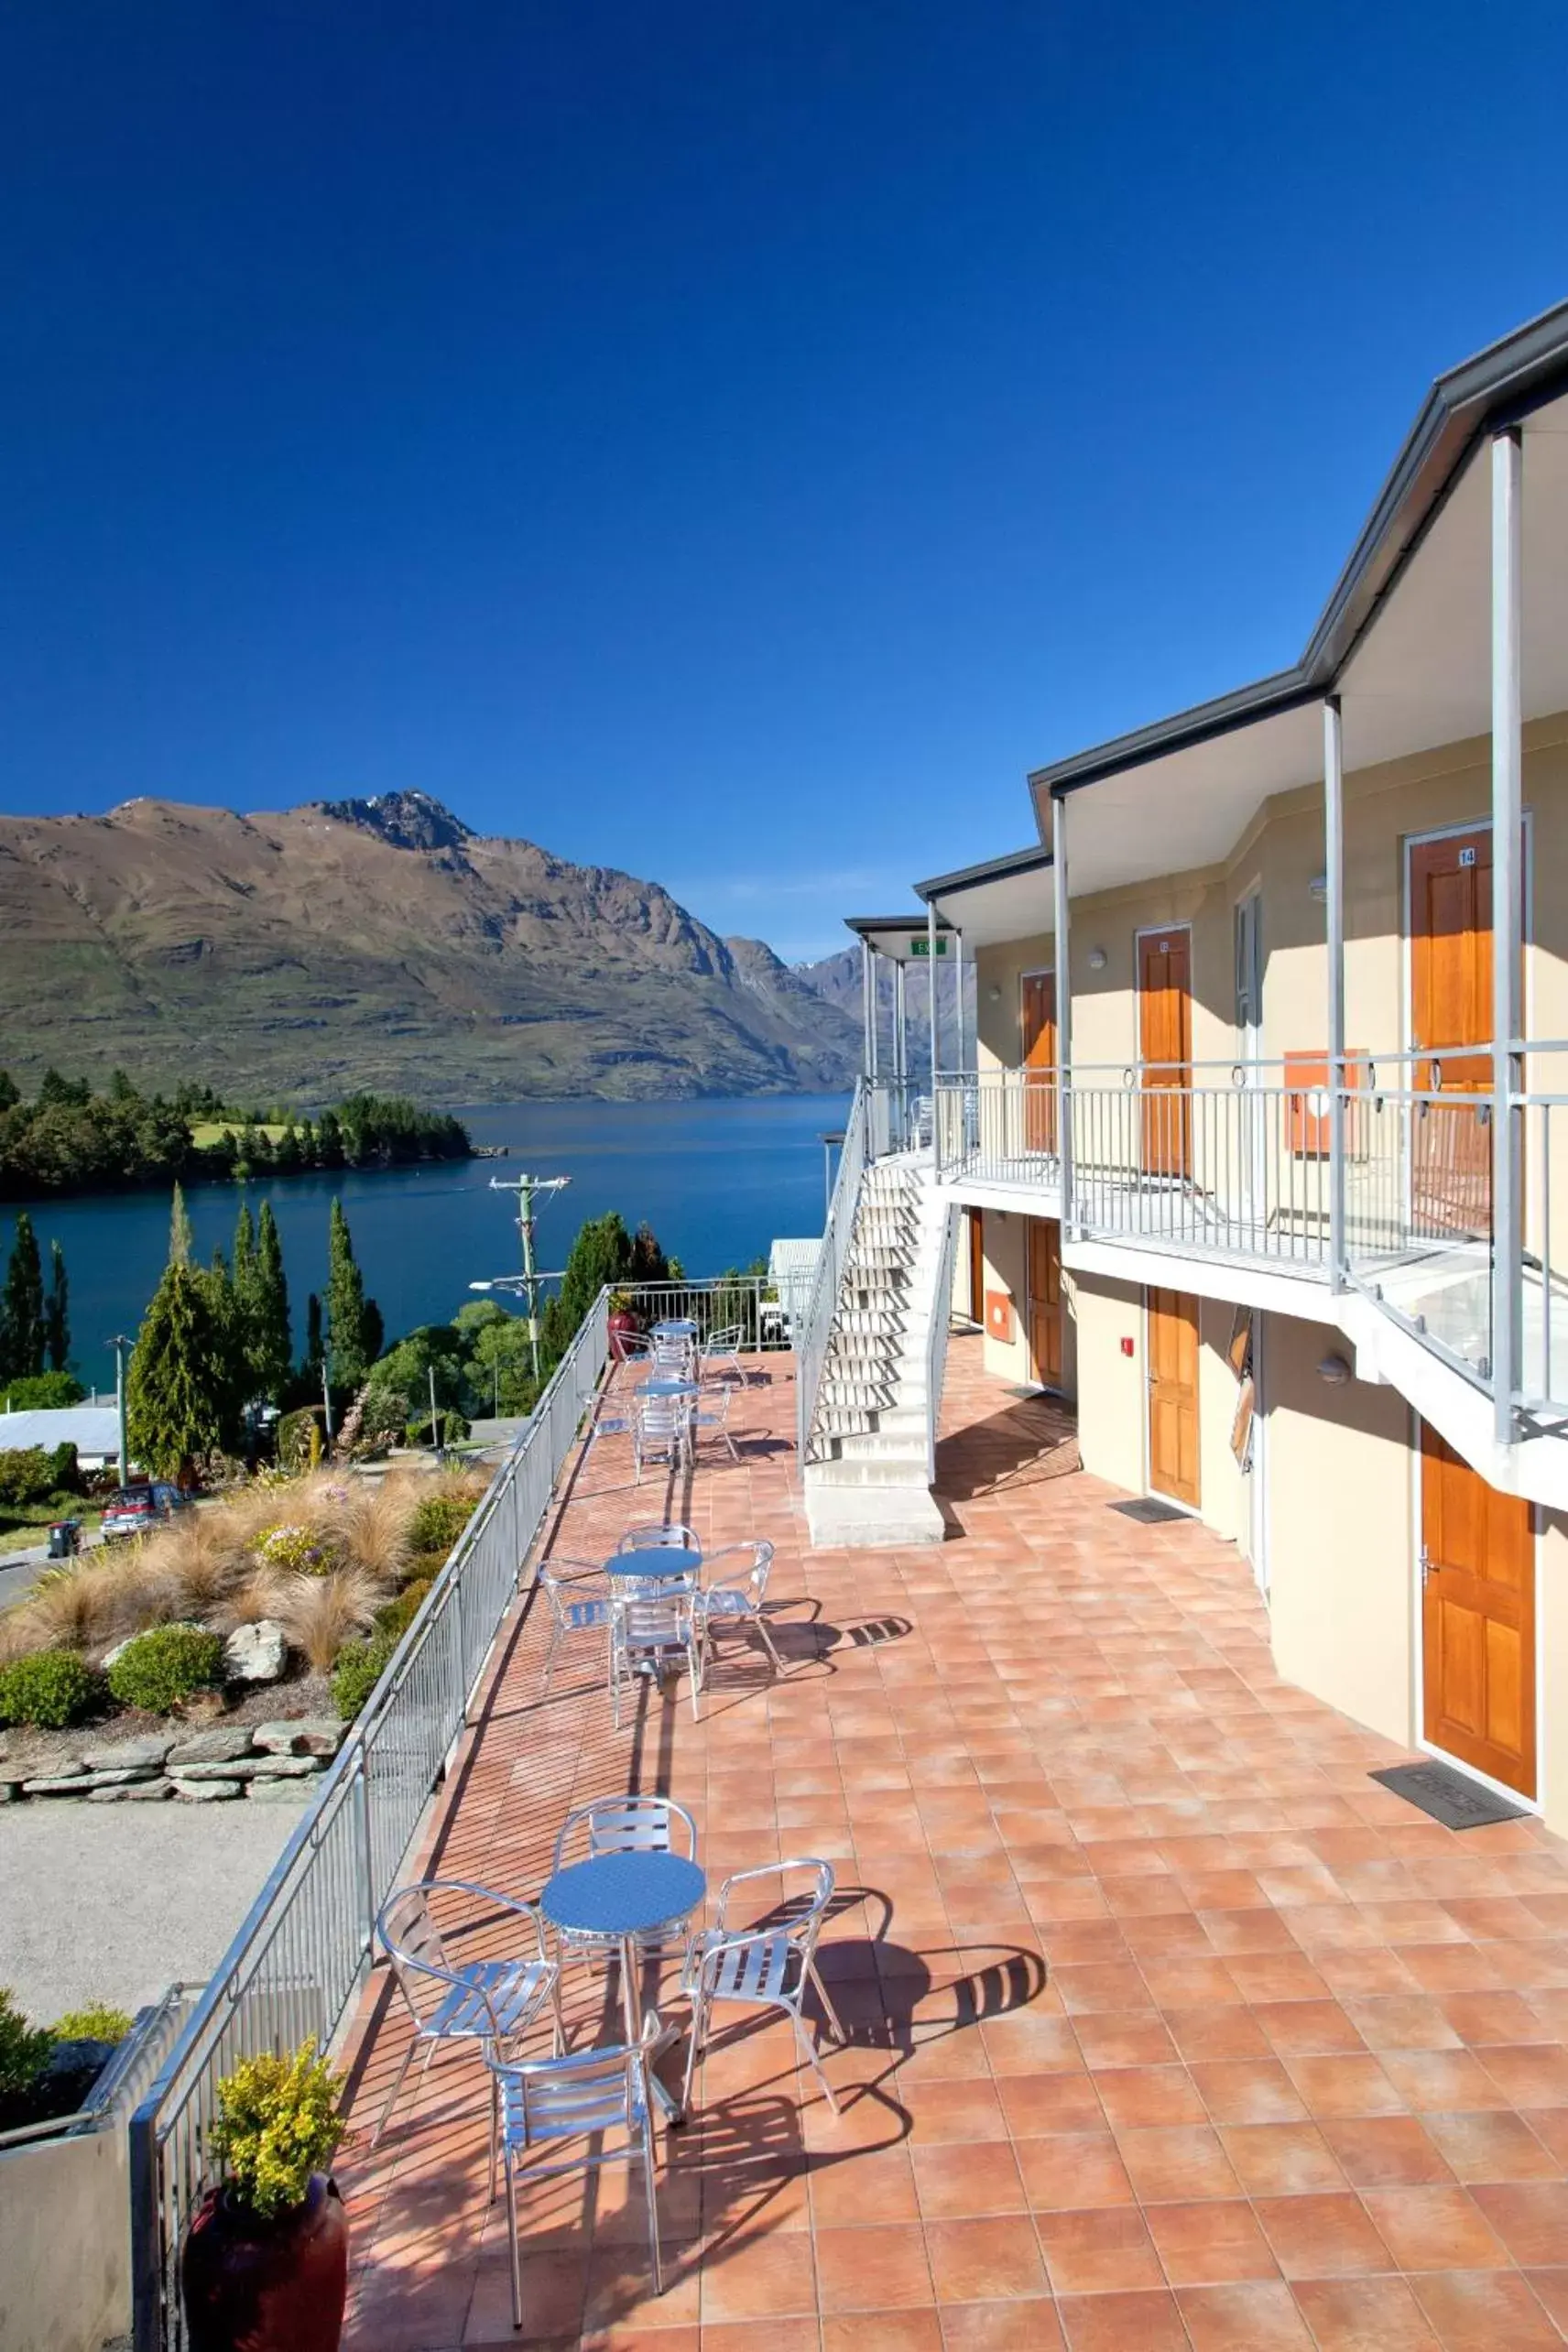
<point>730,441</point>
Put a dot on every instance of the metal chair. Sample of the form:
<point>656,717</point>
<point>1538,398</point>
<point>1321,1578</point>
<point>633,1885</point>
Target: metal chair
<point>631,1824</point>
<point>580,2096</point>
<point>672,1350</point>
<point>572,1607</point>
<point>734,1602</point>
<point>660,1535</point>
<point>646,1626</point>
<point>712,1412</point>
<point>721,1353</point>
<point>661,1428</point>
<point>766,1965</point>
<point>474,2001</point>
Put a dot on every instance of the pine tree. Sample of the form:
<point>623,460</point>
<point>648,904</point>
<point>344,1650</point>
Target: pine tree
<point>176,1389</point>
<point>354,1322</point>
<point>22,1328</point>
<point>180,1238</point>
<point>273,1346</point>
<point>57,1313</point>
<point>314,1348</point>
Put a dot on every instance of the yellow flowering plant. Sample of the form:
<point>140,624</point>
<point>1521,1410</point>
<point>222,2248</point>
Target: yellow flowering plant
<point>278,2121</point>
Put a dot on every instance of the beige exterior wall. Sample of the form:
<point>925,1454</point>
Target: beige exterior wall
<point>999,1022</point>
<point>1003,1236</point>
<point>1110,1385</point>
<point>1341,1539</point>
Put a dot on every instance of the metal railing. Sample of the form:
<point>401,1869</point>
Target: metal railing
<point>937,1337</point>
<point>302,1953</point>
<point>874,1126</point>
<point>760,1309</point>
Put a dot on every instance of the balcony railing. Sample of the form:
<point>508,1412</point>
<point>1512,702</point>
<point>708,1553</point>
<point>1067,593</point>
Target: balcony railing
<point>1235,1162</point>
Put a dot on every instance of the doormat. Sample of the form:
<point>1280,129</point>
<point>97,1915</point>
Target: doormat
<point>1027,1396</point>
<point>1448,1796</point>
<point>1148,1509</point>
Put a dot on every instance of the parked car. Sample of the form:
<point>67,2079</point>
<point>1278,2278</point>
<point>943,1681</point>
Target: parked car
<point>133,1511</point>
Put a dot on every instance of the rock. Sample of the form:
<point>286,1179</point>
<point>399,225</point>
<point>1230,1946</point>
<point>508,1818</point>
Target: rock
<point>59,1784</point>
<point>273,1791</point>
<point>70,1767</point>
<point>128,1755</point>
<point>208,1792</point>
<point>256,1653</point>
<point>248,1768</point>
<point>133,1793</point>
<point>220,1745</point>
<point>10,1792</point>
<point>304,1736</point>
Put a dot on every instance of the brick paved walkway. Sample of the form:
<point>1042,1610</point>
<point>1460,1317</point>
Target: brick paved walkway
<point>1166,2027</point>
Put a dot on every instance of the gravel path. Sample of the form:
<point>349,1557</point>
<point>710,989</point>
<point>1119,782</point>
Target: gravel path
<point>112,1903</point>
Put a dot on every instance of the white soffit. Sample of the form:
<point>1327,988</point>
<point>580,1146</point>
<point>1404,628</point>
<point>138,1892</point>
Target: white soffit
<point>899,939</point>
<point>1188,807</point>
<point>1008,907</point>
<point>1423,674</point>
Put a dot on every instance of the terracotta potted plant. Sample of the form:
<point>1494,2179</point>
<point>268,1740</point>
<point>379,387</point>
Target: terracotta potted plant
<point>265,2262</point>
<point>624,1324</point>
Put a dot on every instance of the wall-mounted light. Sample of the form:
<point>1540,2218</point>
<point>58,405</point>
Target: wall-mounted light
<point>1097,959</point>
<point>1318,887</point>
<point>1334,1371</point>
<point>994,994</point>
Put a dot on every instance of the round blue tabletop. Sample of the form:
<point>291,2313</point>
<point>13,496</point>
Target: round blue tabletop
<point>682,1327</point>
<point>622,1894</point>
<point>656,1563</point>
<point>671,1387</point>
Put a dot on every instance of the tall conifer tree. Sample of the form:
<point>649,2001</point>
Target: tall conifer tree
<point>57,1313</point>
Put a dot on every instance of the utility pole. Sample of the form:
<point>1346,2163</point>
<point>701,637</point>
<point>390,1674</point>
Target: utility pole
<point>435,1424</point>
<point>527,1188</point>
<point>119,1343</point>
<point>327,1405</point>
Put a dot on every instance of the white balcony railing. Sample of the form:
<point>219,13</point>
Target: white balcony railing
<point>1235,1161</point>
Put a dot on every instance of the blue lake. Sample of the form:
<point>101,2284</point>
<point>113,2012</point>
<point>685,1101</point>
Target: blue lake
<point>716,1181</point>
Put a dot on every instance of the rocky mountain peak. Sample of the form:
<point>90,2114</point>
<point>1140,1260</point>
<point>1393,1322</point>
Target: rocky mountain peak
<point>406,820</point>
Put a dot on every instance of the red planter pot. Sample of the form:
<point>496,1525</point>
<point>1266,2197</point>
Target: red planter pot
<point>251,2285</point>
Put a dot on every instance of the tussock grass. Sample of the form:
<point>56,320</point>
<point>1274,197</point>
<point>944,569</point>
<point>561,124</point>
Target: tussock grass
<point>319,1614</point>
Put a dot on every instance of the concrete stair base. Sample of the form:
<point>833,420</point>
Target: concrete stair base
<point>843,1518</point>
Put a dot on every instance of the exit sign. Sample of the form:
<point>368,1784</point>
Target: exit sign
<point>922,946</point>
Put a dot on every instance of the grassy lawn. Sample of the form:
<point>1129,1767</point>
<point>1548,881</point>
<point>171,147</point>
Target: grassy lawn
<point>32,1520</point>
<point>209,1131</point>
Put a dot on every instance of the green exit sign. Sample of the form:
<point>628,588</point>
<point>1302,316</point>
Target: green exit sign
<point>922,946</point>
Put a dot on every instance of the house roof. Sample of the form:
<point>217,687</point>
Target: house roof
<point>91,1429</point>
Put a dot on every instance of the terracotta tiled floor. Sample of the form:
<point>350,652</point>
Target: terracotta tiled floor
<point>1167,2026</point>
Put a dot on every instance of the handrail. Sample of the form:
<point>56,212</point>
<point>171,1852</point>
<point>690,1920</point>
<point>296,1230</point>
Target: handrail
<point>937,1337</point>
<point>811,1340</point>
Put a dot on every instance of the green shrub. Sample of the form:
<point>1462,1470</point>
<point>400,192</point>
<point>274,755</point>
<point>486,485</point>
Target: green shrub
<point>359,1669</point>
<point>42,1392</point>
<point>50,1688</point>
<point>438,1521</point>
<point>28,1473</point>
<point>97,2022</point>
<point>277,2123</point>
<point>24,2050</point>
<point>294,1437</point>
<point>399,1614</point>
<point>171,1663</point>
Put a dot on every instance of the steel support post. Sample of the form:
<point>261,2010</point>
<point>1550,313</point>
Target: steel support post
<point>931,1001</point>
<point>1333,861</point>
<point>961,1063</point>
<point>868,1005</point>
<point>901,1051</point>
<point>1064,1005</point>
<point>1508,922</point>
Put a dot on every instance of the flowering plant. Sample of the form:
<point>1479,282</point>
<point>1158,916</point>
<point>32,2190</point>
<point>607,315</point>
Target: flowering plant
<point>278,2122</point>
<point>304,1550</point>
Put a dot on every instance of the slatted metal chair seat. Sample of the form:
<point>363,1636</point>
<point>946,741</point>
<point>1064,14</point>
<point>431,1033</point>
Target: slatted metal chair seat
<point>766,1965</point>
<point>578,1593</point>
<point>765,1969</point>
<point>735,1603</point>
<point>495,1996</point>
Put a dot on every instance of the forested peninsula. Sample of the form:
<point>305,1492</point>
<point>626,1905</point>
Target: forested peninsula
<point>67,1138</point>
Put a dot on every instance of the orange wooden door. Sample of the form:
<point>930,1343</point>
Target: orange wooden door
<point>1045,1300</point>
<point>1172,1343</point>
<point>1039,1015</point>
<point>1165,1049</point>
<point>1477,1619</point>
<point>1451,1008</point>
<point>976,1266</point>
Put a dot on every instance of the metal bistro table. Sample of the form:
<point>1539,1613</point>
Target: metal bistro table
<point>678,1327</point>
<point>661,1564</point>
<point>616,1898</point>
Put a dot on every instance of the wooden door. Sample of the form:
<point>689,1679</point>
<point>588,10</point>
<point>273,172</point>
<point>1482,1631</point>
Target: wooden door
<point>1172,1342</point>
<point>1165,1049</point>
<point>1044,1291</point>
<point>1478,1564</point>
<point>1039,1015</point>
<point>1451,1008</point>
<point>976,1266</point>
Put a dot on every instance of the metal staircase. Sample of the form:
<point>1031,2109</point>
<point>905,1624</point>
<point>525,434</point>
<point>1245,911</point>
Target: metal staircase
<point>870,1438</point>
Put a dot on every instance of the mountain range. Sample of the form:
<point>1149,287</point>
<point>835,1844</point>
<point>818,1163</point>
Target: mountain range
<point>381,943</point>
